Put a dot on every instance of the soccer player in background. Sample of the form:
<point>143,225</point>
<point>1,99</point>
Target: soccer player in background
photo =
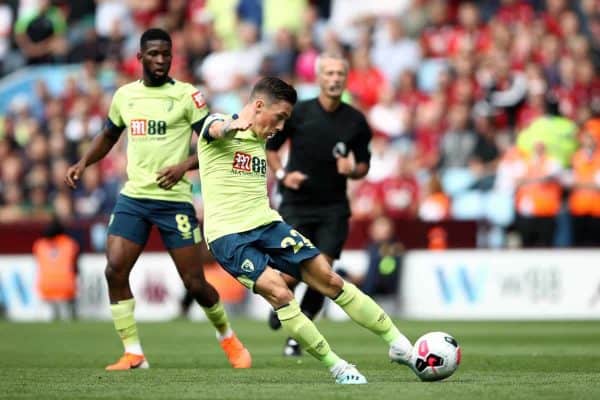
<point>252,242</point>
<point>329,144</point>
<point>159,115</point>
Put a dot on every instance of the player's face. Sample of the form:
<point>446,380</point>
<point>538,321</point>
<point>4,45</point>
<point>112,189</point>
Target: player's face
<point>270,117</point>
<point>332,77</point>
<point>156,59</point>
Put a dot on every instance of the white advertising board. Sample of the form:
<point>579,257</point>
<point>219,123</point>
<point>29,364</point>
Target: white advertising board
<point>154,282</point>
<point>510,284</point>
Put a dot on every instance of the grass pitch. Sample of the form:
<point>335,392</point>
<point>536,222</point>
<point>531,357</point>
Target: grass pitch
<point>501,360</point>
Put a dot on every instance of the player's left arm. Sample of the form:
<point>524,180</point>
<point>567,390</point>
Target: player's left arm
<point>355,164</point>
<point>169,176</point>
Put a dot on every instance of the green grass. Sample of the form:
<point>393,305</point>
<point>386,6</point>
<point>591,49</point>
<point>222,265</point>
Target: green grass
<point>501,360</point>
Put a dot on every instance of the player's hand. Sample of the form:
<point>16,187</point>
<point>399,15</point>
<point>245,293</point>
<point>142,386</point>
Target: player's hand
<point>239,125</point>
<point>169,176</point>
<point>73,174</point>
<point>294,179</point>
<point>345,166</point>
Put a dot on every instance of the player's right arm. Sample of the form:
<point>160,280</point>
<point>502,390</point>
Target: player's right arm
<point>218,126</point>
<point>101,144</point>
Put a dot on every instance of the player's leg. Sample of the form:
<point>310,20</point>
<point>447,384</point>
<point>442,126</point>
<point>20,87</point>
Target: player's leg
<point>317,273</point>
<point>308,229</point>
<point>122,254</point>
<point>189,264</point>
<point>244,256</point>
<point>271,286</point>
<point>128,232</point>
<point>180,233</point>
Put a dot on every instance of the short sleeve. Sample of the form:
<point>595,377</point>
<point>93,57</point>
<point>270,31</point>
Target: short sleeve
<point>196,107</point>
<point>207,123</point>
<point>360,146</point>
<point>114,112</point>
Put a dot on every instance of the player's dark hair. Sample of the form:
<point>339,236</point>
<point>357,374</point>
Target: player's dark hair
<point>276,89</point>
<point>154,34</point>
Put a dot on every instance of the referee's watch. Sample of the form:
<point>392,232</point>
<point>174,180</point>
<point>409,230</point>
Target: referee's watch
<point>280,174</point>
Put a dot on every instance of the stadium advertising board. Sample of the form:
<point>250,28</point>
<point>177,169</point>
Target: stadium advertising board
<point>527,284</point>
<point>154,282</point>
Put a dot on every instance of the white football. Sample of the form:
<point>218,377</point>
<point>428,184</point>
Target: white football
<point>436,355</point>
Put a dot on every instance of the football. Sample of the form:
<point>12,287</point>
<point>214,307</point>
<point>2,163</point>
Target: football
<point>436,356</point>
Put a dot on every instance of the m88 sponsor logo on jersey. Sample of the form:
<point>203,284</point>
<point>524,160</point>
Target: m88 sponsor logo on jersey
<point>244,162</point>
<point>143,127</point>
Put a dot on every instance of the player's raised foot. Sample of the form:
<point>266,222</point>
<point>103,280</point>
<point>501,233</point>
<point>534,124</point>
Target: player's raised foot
<point>292,348</point>
<point>347,374</point>
<point>274,322</point>
<point>129,361</point>
<point>237,354</point>
<point>401,352</point>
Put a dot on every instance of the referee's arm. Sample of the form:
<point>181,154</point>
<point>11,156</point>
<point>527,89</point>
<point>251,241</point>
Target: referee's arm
<point>361,169</point>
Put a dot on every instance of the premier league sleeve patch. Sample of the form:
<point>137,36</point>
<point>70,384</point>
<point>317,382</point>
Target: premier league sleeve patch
<point>198,99</point>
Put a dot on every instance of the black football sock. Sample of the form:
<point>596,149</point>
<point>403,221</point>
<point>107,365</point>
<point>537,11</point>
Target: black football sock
<point>312,302</point>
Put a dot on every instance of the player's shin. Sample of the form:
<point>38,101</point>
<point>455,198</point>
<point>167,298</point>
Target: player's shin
<point>365,312</point>
<point>304,331</point>
<point>218,317</point>
<point>122,314</point>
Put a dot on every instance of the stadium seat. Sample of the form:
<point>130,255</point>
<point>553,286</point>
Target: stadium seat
<point>468,205</point>
<point>456,180</point>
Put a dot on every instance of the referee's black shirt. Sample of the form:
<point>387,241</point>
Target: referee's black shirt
<point>313,133</point>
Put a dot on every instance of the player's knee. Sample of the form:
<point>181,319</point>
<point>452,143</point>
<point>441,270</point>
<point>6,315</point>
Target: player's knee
<point>115,274</point>
<point>281,295</point>
<point>333,282</point>
<point>195,283</point>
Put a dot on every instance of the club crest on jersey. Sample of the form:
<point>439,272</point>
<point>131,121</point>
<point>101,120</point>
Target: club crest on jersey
<point>198,99</point>
<point>247,266</point>
<point>242,161</point>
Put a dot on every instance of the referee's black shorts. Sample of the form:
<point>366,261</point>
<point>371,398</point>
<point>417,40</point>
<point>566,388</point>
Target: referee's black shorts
<point>326,230</point>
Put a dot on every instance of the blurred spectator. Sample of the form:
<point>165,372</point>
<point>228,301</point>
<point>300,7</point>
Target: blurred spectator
<point>40,34</point>
<point>435,204</point>
<point>385,255</point>
<point>365,81</point>
<point>400,191</point>
<point>584,200</point>
<point>282,15</point>
<point>6,20</point>
<point>458,144</point>
<point>556,132</point>
<point>538,198</point>
<point>485,155</point>
<point>389,116</point>
<point>56,254</point>
<point>382,157</point>
<point>393,52</point>
<point>13,207</point>
<point>91,198</point>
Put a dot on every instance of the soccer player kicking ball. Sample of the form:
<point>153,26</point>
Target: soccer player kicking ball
<point>253,243</point>
<point>159,115</point>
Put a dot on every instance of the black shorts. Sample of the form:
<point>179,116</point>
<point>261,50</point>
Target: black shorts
<point>328,231</point>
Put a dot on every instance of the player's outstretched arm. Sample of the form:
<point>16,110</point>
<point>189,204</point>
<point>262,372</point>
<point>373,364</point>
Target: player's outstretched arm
<point>226,129</point>
<point>100,146</point>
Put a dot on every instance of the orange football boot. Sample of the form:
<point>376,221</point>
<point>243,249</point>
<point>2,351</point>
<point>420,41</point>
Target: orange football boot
<point>129,361</point>
<point>237,354</point>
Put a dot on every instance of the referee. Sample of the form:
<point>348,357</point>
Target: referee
<point>329,143</point>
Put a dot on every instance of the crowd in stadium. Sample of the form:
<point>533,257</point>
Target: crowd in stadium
<point>484,110</point>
